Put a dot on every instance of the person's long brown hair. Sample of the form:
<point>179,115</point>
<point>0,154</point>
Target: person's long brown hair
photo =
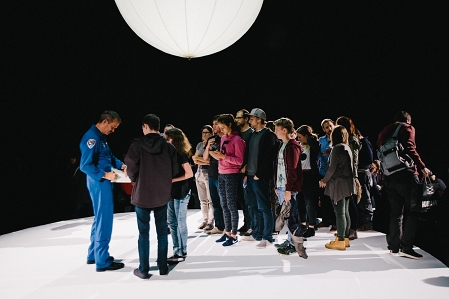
<point>180,141</point>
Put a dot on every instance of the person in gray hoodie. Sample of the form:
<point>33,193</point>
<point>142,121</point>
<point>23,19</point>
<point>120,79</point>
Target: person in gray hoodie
<point>151,166</point>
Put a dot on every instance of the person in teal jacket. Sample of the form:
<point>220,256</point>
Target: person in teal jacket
<point>96,162</point>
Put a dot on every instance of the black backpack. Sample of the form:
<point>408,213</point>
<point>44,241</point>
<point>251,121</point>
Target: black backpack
<point>391,155</point>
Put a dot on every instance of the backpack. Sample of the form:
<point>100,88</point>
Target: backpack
<point>391,156</point>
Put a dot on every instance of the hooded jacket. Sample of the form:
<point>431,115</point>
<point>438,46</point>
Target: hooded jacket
<point>151,164</point>
<point>293,168</point>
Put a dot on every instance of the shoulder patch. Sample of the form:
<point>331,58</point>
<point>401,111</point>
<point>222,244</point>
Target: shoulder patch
<point>91,143</point>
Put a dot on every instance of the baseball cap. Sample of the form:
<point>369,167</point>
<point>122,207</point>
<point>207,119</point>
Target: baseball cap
<point>257,112</point>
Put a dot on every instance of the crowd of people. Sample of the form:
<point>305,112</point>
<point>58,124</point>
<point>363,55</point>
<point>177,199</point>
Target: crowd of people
<point>268,169</point>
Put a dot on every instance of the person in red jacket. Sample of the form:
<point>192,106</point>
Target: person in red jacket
<point>288,181</point>
<point>403,222</point>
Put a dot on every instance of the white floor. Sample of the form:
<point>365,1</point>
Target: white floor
<point>49,262</point>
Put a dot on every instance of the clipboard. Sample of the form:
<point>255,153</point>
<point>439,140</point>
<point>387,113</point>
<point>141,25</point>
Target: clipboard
<point>122,178</point>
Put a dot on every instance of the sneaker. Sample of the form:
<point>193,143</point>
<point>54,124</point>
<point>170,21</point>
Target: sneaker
<point>175,259</point>
<point>202,225</point>
<point>282,245</point>
<point>248,238</point>
<point>213,231</point>
<point>263,244</point>
<point>223,238</point>
<point>394,253</point>
<point>275,233</point>
<point>230,241</point>
<point>140,274</point>
<point>247,233</point>
<point>209,227</point>
<point>287,250</point>
<point>410,253</point>
<point>242,229</point>
<point>310,232</point>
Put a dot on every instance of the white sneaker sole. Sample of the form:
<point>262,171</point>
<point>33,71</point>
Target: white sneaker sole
<point>409,256</point>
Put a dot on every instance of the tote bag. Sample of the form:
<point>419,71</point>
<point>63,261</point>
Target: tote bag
<point>424,196</point>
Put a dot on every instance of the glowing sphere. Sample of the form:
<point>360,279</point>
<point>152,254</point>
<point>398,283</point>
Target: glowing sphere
<point>190,28</point>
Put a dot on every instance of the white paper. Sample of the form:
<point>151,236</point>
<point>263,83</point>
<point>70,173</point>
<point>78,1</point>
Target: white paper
<point>122,178</point>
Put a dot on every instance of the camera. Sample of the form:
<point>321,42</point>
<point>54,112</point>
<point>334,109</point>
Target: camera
<point>214,147</point>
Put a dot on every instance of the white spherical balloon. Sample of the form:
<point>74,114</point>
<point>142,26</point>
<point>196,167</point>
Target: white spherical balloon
<point>190,28</point>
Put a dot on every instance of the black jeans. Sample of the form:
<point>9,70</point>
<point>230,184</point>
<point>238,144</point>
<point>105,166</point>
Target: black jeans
<point>403,222</point>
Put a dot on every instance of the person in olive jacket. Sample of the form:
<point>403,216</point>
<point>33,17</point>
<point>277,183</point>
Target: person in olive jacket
<point>151,164</point>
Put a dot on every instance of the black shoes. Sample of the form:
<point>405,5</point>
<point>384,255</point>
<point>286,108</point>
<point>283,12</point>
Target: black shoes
<point>174,259</point>
<point>242,229</point>
<point>112,267</point>
<point>90,262</point>
<point>310,232</point>
<point>352,234</point>
<point>364,228</point>
<point>410,253</point>
<point>282,245</point>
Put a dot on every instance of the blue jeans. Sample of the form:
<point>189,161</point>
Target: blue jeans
<point>215,197</point>
<point>260,206</point>
<point>177,221</point>
<point>281,193</point>
<point>143,224</point>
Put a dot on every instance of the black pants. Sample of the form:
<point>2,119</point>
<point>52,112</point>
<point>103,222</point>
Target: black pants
<point>326,210</point>
<point>403,222</point>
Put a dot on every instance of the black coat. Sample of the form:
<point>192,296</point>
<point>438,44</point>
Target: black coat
<point>151,164</point>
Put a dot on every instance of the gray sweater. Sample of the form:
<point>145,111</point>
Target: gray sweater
<point>339,176</point>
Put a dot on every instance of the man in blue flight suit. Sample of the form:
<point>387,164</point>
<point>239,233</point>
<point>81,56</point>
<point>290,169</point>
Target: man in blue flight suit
<point>96,161</point>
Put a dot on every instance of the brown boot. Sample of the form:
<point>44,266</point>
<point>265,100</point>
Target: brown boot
<point>352,234</point>
<point>347,242</point>
<point>337,244</point>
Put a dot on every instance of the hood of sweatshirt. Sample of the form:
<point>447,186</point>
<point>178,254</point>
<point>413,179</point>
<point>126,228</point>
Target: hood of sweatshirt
<point>153,143</point>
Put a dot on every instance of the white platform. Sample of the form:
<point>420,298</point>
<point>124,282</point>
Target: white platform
<point>49,262</point>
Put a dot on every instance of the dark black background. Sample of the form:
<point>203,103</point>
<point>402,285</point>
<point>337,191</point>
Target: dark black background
<point>67,61</point>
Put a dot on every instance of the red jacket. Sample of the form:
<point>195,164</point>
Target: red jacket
<point>406,136</point>
<point>293,168</point>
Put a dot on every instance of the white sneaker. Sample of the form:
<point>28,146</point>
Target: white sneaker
<point>262,244</point>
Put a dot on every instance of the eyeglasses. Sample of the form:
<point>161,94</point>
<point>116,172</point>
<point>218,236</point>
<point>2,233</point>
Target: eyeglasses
<point>206,132</point>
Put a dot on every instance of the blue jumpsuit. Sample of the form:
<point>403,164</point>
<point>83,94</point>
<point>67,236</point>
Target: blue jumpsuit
<point>96,159</point>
